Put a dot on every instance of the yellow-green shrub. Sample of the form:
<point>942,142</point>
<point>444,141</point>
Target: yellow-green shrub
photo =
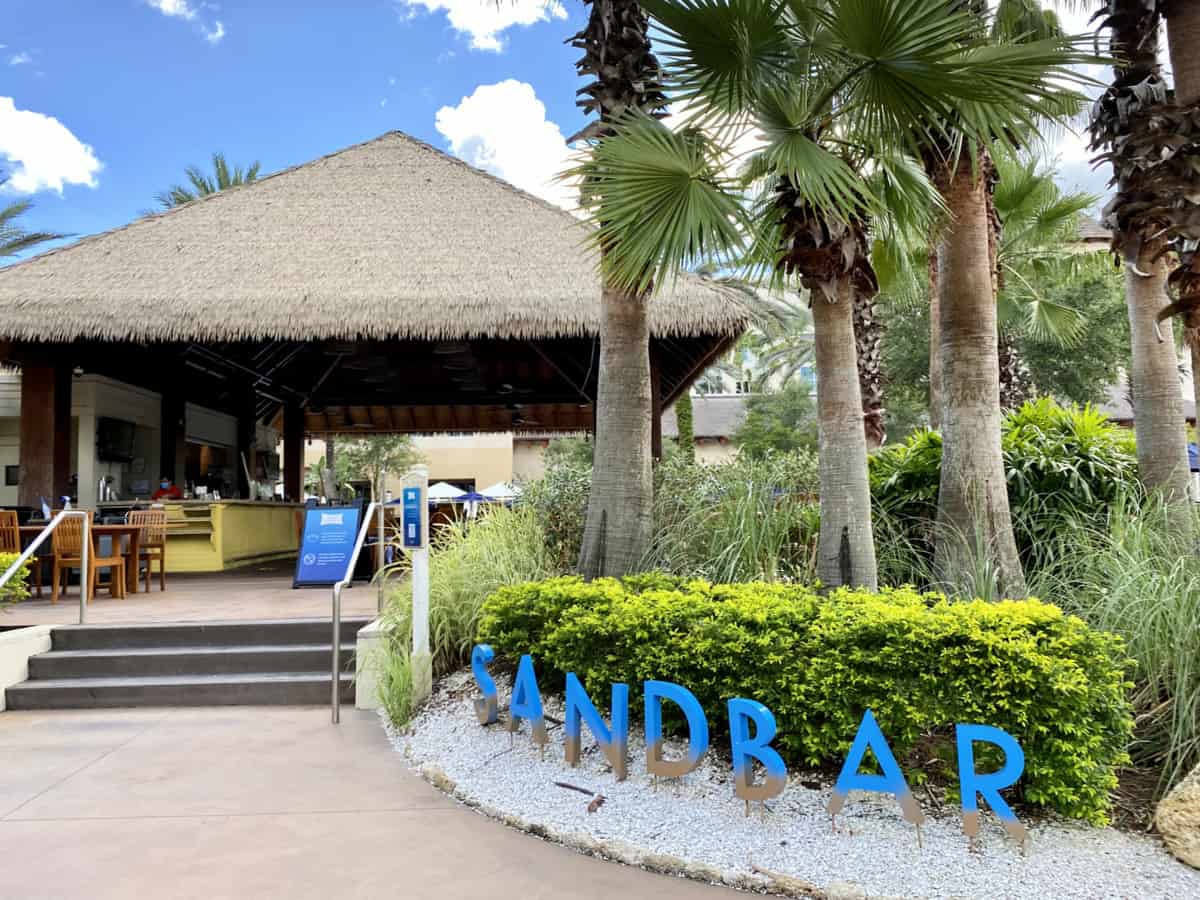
<point>17,587</point>
<point>920,662</point>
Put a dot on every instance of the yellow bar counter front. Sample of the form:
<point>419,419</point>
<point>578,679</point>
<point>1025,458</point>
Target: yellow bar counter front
<point>212,536</point>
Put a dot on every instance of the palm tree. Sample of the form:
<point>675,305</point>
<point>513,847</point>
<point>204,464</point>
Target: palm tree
<point>625,78</point>
<point>1039,224</point>
<point>1145,137</point>
<point>201,185</point>
<point>13,238</point>
<point>1183,37</point>
<point>974,521</point>
<point>838,90</point>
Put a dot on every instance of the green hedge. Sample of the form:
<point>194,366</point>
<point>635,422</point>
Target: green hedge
<point>18,587</point>
<point>921,662</point>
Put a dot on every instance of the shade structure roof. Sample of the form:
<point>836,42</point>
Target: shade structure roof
<point>388,239</point>
<point>442,490</point>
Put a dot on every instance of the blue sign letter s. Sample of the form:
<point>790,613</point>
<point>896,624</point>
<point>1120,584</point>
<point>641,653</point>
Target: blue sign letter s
<point>485,707</point>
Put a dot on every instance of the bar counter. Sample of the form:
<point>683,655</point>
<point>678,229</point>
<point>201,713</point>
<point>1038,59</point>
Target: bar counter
<point>216,535</point>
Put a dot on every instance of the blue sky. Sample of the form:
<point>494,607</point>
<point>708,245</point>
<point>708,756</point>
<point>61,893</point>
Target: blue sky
<point>103,103</point>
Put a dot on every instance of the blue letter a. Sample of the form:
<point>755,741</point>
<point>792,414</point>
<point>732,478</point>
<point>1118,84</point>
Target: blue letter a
<point>890,782</point>
<point>526,701</point>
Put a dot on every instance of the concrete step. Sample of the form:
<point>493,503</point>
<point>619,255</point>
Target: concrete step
<point>202,634</point>
<point>263,689</point>
<point>130,662</point>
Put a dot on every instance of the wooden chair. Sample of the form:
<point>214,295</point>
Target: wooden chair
<point>10,542</point>
<point>152,542</point>
<point>68,547</point>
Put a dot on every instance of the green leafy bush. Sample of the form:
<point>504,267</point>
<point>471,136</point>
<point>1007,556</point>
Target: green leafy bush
<point>1064,465</point>
<point>559,501</point>
<point>17,587</point>
<point>921,662</point>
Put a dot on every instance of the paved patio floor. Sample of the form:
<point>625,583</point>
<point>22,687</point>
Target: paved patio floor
<point>259,803</point>
<point>257,592</point>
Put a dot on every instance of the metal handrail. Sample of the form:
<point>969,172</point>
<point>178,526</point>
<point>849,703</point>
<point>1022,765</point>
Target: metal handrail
<point>84,548</point>
<point>336,701</point>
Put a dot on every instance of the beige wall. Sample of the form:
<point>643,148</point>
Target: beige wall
<point>482,458</point>
<point>710,451</point>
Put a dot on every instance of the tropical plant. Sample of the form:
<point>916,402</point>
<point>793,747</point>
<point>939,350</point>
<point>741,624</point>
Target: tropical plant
<point>502,546</point>
<point>372,458</point>
<point>1153,145</point>
<point>13,238</point>
<point>200,184</point>
<point>1064,467</point>
<point>684,423</point>
<point>1136,573</point>
<point>749,518</point>
<point>972,499</point>
<point>777,422</point>
<point>624,77</point>
<point>837,90</point>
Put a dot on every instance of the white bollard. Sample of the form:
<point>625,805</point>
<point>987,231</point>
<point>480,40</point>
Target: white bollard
<point>415,525</point>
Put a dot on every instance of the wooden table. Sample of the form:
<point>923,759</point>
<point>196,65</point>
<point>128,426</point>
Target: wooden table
<point>116,532</point>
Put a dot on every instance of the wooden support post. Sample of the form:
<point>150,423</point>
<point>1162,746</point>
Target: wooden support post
<point>45,432</point>
<point>173,437</point>
<point>247,434</point>
<point>656,445</point>
<point>293,453</point>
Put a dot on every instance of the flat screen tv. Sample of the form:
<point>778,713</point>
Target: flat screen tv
<point>114,440</point>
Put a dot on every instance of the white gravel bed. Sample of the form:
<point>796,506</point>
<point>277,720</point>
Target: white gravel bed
<point>697,827</point>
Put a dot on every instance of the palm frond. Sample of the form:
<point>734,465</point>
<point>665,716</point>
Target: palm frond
<point>659,200</point>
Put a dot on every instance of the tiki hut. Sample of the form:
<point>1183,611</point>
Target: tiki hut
<point>387,287</point>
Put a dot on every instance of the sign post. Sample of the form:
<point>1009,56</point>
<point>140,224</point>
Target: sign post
<point>414,493</point>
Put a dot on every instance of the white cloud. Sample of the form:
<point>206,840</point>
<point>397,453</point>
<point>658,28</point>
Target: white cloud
<point>176,8</point>
<point>484,20</point>
<point>502,129</point>
<point>40,153</point>
<point>20,59</point>
<point>189,12</point>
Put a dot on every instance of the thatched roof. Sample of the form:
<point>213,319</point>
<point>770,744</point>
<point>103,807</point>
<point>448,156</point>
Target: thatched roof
<point>389,238</point>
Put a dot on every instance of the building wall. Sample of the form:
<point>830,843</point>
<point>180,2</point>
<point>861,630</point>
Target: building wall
<point>529,458</point>
<point>481,459</point>
<point>711,451</point>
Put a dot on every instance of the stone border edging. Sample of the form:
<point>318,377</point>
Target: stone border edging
<point>760,881</point>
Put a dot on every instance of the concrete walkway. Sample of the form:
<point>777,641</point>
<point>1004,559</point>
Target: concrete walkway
<point>259,803</point>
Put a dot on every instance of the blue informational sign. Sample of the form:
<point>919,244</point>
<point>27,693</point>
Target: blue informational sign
<point>326,544</point>
<point>411,516</point>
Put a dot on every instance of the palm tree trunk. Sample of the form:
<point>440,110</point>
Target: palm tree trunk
<point>1183,43</point>
<point>1191,340</point>
<point>624,75</point>
<point>846,550</point>
<point>1183,39</point>
<point>935,368</point>
<point>1015,387</point>
<point>617,529</point>
<point>1157,403</point>
<point>974,522</point>
<point>868,338</point>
